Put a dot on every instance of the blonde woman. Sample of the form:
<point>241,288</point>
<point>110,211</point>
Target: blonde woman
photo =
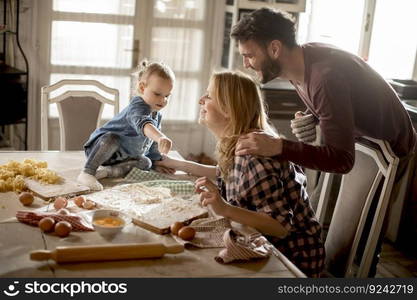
<point>261,192</point>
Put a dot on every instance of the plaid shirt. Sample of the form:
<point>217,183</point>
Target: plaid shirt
<point>278,188</point>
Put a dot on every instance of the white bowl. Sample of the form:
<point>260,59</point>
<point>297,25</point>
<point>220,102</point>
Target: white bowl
<point>109,230</point>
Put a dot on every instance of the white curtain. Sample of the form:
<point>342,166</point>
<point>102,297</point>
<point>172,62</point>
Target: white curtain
<point>179,35</point>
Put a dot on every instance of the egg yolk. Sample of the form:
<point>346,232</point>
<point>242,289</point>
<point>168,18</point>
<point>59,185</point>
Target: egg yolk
<point>108,222</point>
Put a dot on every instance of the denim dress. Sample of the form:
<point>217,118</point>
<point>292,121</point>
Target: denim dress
<point>128,125</point>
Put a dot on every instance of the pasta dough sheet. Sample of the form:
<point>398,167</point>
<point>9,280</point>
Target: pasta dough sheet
<point>153,208</point>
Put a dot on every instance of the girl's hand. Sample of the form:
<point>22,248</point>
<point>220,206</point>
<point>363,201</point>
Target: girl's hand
<point>209,194</point>
<point>164,145</point>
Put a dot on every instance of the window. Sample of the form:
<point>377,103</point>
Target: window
<point>178,37</point>
<point>335,22</point>
<point>97,39</point>
<point>394,39</point>
<point>382,32</point>
<point>93,39</point>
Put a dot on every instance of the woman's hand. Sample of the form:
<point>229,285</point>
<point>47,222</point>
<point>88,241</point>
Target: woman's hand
<point>209,194</point>
<point>167,162</point>
<point>164,145</point>
<point>164,170</point>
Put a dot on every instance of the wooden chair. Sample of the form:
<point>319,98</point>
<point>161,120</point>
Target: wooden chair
<point>79,111</point>
<point>370,180</point>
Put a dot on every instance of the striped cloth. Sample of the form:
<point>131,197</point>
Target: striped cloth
<point>241,248</point>
<point>33,218</point>
<point>152,178</point>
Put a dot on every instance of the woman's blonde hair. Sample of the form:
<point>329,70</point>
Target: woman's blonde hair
<point>147,68</point>
<point>240,98</point>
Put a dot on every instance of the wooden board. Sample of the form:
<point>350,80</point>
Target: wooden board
<point>48,191</point>
<point>161,217</point>
<point>162,226</point>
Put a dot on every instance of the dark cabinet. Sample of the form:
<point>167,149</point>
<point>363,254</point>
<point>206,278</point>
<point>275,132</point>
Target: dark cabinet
<point>282,104</point>
<point>13,82</point>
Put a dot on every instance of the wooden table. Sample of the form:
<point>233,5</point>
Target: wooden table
<point>17,240</point>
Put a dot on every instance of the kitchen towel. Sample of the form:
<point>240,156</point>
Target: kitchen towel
<point>139,175</point>
<point>240,247</point>
<point>208,232</point>
<point>177,187</point>
<point>155,179</point>
<point>33,218</point>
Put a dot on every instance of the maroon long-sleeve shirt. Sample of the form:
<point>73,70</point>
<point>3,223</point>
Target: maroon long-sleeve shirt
<point>350,100</point>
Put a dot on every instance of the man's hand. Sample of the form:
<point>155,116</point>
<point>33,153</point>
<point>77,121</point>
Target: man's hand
<point>304,127</point>
<point>259,143</point>
<point>164,145</point>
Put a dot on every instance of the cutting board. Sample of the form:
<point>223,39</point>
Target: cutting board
<point>161,217</point>
<point>162,225</point>
<point>67,187</point>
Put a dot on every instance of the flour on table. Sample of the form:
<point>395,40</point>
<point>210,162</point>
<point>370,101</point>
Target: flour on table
<point>147,203</point>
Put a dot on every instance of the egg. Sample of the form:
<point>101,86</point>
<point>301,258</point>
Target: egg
<point>89,204</point>
<point>176,227</point>
<point>26,198</point>
<point>63,228</point>
<point>186,233</point>
<point>64,212</point>
<point>60,202</point>
<point>46,224</point>
<point>79,201</point>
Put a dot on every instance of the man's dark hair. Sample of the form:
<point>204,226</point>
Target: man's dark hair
<point>265,25</point>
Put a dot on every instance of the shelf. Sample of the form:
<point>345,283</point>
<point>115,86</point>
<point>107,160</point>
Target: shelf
<point>289,6</point>
<point>7,31</point>
<point>278,84</point>
<point>14,83</point>
<point>8,70</point>
<point>8,122</point>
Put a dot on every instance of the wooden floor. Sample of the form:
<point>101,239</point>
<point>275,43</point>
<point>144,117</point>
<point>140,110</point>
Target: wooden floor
<point>394,263</point>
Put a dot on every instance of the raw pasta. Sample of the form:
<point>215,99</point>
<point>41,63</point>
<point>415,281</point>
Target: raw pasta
<point>12,174</point>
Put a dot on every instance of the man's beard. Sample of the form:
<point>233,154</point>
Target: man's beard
<point>270,69</point>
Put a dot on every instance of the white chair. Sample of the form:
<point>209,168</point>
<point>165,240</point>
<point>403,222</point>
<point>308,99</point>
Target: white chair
<point>79,111</point>
<point>370,180</point>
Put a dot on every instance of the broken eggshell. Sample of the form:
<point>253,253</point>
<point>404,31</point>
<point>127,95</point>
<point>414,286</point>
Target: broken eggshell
<point>64,212</point>
<point>89,204</point>
<point>60,202</point>
<point>79,201</point>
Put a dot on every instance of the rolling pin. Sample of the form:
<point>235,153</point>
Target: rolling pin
<point>64,254</point>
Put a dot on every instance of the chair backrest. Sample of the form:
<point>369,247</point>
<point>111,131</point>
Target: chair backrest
<point>79,111</point>
<point>363,197</point>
